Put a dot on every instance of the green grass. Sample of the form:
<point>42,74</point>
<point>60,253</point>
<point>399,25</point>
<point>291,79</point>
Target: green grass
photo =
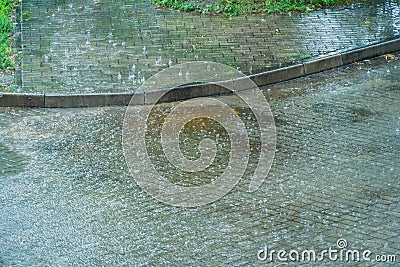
<point>241,7</point>
<point>6,29</point>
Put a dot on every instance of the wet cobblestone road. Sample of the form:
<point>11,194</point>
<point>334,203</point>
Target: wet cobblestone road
<point>66,197</point>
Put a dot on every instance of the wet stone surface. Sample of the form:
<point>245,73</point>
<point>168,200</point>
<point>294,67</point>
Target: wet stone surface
<point>113,46</point>
<point>67,198</point>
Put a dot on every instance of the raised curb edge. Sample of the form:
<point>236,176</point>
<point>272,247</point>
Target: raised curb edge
<point>315,65</point>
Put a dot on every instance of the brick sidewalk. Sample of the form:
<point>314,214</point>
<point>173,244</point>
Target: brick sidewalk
<point>112,46</point>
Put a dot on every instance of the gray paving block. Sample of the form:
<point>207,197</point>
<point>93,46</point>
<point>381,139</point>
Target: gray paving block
<point>184,93</point>
<point>93,100</point>
<point>136,98</point>
<point>153,97</point>
<point>278,75</point>
<point>323,63</point>
<point>21,100</point>
<point>237,85</point>
<point>371,51</point>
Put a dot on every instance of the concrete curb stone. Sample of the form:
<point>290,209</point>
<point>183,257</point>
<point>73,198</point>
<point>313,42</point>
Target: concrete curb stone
<point>312,66</point>
<point>21,100</point>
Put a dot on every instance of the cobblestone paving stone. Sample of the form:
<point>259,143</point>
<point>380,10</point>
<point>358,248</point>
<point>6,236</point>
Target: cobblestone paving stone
<point>112,46</point>
<point>68,199</point>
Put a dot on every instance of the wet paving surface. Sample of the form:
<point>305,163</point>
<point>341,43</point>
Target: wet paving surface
<point>113,46</point>
<point>67,198</point>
